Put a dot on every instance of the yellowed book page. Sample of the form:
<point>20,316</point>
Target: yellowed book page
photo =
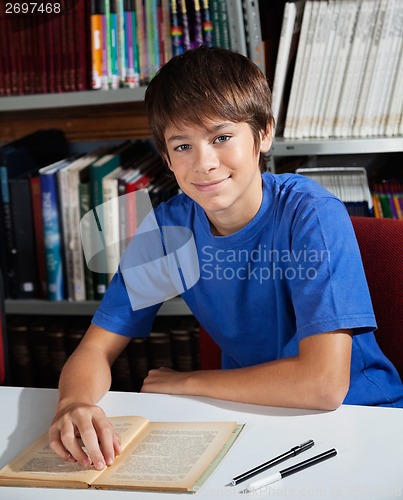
<point>168,456</point>
<point>38,465</point>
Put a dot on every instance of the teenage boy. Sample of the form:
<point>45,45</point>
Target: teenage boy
<point>280,284</point>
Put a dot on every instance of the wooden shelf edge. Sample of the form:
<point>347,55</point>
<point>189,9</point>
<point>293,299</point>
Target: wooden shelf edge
<point>173,307</point>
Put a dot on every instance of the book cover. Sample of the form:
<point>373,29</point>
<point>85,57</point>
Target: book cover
<point>39,235</point>
<point>152,37</point>
<point>348,20</point>
<point>96,44</point>
<point>24,251</point>
<point>20,348</point>
<point>138,357</point>
<point>253,32</point>
<point>370,71</point>
<point>312,92</point>
<point>207,24</point>
<point>38,465</point>
<point>111,228</point>
<point>122,379</point>
<point>68,183</point>
<point>183,12</point>
<point>297,83</point>
<point>285,61</point>
<point>236,27</point>
<point>39,350</point>
<point>52,227</point>
<point>55,336</point>
<point>176,29</point>
<point>355,68</point>
<point>82,55</point>
<point>14,161</point>
<point>142,41</point>
<point>223,24</point>
<point>183,352</point>
<point>85,206</point>
<point>308,57</point>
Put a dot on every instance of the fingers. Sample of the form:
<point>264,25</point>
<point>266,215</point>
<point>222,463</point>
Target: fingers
<point>85,435</point>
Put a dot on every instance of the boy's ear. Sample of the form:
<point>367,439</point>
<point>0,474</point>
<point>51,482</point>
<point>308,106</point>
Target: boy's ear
<point>266,140</point>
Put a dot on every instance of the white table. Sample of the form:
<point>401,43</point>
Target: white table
<point>369,464</point>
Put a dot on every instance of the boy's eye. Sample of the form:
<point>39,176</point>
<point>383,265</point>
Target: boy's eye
<point>222,138</point>
<point>182,147</point>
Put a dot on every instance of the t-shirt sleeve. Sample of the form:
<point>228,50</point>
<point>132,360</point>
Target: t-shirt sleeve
<point>330,291</point>
<point>116,314</point>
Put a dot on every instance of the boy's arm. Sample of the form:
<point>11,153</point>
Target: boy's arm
<point>85,378</point>
<point>318,378</point>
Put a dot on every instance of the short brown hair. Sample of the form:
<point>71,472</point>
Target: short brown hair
<point>205,83</point>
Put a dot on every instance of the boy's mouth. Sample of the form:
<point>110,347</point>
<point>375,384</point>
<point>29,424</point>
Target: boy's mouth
<point>210,185</point>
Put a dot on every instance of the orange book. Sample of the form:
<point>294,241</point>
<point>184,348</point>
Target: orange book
<point>96,45</point>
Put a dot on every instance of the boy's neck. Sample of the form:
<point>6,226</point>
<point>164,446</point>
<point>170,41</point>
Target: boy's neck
<point>230,223</point>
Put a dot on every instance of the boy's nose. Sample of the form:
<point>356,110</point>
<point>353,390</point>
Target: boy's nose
<point>206,160</point>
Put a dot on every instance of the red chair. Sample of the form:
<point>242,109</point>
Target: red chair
<point>381,246</point>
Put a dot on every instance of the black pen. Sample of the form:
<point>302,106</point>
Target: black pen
<point>265,481</point>
<point>271,463</point>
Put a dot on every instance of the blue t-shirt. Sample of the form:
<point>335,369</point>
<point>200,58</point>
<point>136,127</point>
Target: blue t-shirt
<point>294,271</point>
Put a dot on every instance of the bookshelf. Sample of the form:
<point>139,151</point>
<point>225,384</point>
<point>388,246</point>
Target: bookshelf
<point>71,99</point>
<point>99,115</point>
<point>309,147</point>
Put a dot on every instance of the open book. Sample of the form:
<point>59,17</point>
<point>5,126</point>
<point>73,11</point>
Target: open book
<point>165,456</point>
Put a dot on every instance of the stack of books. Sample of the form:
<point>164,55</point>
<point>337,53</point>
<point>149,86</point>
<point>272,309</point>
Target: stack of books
<point>349,184</point>
<point>40,345</point>
<point>342,64</point>
<point>107,44</point>
<point>44,199</point>
<point>387,196</point>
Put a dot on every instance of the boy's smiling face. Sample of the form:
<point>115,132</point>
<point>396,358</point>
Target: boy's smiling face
<point>217,165</point>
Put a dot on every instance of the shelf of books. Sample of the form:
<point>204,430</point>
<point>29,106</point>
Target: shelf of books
<point>335,146</point>
<point>71,99</point>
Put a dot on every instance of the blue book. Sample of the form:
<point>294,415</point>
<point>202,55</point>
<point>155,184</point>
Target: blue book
<point>52,229</point>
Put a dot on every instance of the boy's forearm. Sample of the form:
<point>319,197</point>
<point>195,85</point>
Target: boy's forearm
<point>318,378</point>
<point>85,378</point>
<point>279,383</point>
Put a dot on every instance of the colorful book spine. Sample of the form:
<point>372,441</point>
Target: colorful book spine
<point>142,41</point>
<point>185,25</point>
<point>113,44</point>
<point>198,24</point>
<point>52,231</point>
<point>176,30</point>
<point>132,78</point>
<point>207,24</point>
<point>152,36</point>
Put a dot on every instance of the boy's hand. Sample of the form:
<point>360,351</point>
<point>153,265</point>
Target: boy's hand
<point>165,381</point>
<point>78,425</point>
